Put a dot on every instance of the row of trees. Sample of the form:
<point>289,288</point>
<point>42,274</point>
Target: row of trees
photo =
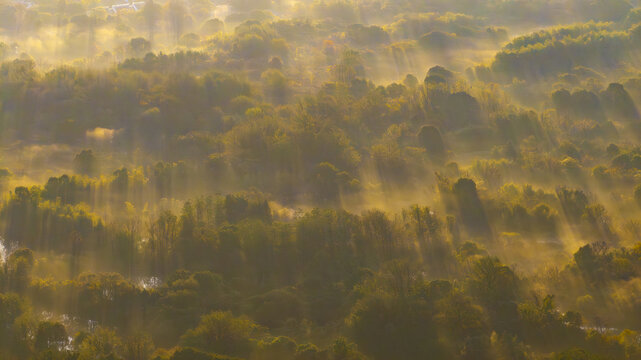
<point>390,312</point>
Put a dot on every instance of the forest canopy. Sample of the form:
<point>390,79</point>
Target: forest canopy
<point>320,180</point>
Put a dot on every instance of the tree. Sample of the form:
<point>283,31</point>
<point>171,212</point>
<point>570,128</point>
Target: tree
<point>86,163</point>
<point>19,267</point>
<point>12,307</point>
<point>221,332</point>
<point>278,348</point>
<point>189,40</point>
<point>5,176</point>
<point>363,35</point>
<point>138,347</point>
<point>471,209</point>
<point>387,327</point>
<point>410,81</point>
<point>496,286</point>
<point>437,42</point>
<point>211,27</point>
<point>341,349</point>
<point>329,183</point>
<point>637,194</point>
<point>576,354</point>
<point>51,336</point>
<point>103,343</point>
<point>193,354</point>
<point>350,67</point>
<point>276,86</point>
<point>619,104</point>
<point>430,138</point>
<point>438,74</point>
<point>275,308</point>
<point>139,46</point>
<point>4,51</point>
<point>308,352</point>
<point>162,237</point>
<point>492,281</point>
<point>460,110</point>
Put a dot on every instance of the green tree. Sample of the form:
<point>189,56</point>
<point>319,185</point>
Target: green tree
<point>221,332</point>
<point>102,343</point>
<point>138,347</point>
<point>86,163</point>
<point>430,138</point>
<point>51,336</point>
<point>470,208</point>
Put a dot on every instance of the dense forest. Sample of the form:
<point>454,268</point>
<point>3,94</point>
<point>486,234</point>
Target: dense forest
<point>320,179</point>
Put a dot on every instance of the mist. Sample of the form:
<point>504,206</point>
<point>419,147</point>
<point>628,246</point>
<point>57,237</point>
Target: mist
<point>326,180</point>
